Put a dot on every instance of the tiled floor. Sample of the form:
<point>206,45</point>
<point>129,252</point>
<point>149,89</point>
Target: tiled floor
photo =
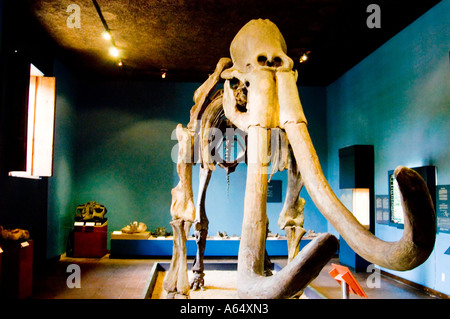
<point>107,278</point>
<point>102,278</point>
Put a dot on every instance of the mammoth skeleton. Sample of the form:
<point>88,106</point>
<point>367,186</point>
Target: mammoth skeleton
<point>264,100</point>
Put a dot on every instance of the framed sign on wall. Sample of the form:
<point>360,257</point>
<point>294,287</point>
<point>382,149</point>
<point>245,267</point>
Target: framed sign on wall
<point>274,191</point>
<point>442,212</point>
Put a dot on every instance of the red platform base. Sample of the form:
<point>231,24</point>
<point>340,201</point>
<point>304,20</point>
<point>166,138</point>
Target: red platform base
<point>17,270</point>
<point>90,241</point>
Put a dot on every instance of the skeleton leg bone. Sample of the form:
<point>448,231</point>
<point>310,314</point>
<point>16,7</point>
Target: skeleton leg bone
<point>176,280</point>
<point>201,230</point>
<point>291,217</point>
<point>182,211</point>
<point>267,262</point>
<point>182,206</point>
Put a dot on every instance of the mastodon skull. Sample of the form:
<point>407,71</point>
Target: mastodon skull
<point>260,62</point>
<point>250,51</point>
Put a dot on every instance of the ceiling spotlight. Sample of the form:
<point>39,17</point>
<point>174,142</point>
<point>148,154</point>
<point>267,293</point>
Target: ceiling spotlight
<point>163,73</point>
<point>106,35</point>
<point>120,63</point>
<point>303,58</point>
<point>114,52</point>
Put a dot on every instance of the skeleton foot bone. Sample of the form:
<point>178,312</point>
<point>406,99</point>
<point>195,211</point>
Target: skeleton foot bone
<point>294,234</point>
<point>176,281</point>
<point>201,231</point>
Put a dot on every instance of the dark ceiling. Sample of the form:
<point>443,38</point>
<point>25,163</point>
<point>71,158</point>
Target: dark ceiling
<point>188,37</point>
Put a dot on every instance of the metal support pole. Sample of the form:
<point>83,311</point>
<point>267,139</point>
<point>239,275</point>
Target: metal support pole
<point>345,290</point>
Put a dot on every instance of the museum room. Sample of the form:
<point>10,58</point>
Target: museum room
<point>134,163</point>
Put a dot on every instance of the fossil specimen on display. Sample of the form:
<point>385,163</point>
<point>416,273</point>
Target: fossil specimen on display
<point>134,227</point>
<point>264,103</point>
<point>14,234</point>
<point>91,211</point>
<point>161,232</point>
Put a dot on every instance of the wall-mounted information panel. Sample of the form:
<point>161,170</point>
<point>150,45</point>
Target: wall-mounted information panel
<point>442,212</point>
<point>382,209</point>
<point>274,194</point>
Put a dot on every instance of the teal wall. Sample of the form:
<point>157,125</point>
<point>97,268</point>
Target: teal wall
<point>60,209</point>
<point>398,100</point>
<point>123,148</point>
<point>123,155</point>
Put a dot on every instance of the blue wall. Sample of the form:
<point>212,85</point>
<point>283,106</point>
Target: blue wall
<point>398,100</point>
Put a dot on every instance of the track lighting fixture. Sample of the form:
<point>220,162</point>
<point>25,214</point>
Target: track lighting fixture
<point>114,51</point>
<point>106,35</point>
<point>305,56</point>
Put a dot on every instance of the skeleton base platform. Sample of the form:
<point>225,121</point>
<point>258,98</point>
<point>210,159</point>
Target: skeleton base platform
<point>221,282</point>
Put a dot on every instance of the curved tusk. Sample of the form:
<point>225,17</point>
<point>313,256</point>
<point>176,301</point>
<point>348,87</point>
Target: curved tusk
<point>419,233</point>
<point>294,277</point>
